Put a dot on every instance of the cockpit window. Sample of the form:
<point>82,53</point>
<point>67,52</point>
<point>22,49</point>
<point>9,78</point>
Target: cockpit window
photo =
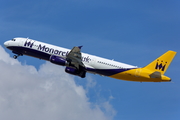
<point>13,39</point>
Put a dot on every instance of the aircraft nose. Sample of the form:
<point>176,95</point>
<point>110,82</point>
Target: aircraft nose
<point>6,43</point>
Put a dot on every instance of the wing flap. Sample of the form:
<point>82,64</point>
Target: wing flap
<point>75,57</point>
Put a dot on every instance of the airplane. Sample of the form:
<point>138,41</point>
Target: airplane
<point>78,63</point>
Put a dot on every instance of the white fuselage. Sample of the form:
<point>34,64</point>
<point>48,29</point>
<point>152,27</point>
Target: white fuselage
<point>42,50</point>
<point>78,63</point>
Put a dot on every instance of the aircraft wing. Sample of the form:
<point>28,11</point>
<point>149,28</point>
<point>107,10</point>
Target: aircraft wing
<point>75,57</point>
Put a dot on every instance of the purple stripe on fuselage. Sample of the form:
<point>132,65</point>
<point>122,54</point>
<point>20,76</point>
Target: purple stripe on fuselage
<point>30,52</point>
<point>107,72</point>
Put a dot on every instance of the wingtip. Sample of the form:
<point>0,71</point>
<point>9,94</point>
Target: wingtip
<point>80,47</point>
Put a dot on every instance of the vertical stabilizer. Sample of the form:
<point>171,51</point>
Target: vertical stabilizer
<point>162,63</point>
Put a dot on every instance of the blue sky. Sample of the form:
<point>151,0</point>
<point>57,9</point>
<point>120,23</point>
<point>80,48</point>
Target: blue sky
<point>133,32</point>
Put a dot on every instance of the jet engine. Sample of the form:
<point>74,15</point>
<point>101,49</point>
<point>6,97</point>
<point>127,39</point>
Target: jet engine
<point>71,69</point>
<point>75,71</point>
<point>58,60</point>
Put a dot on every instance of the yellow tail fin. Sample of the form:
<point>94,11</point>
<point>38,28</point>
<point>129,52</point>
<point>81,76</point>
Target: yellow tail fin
<point>162,63</point>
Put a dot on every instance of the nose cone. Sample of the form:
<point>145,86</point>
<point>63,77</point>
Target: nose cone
<point>6,44</point>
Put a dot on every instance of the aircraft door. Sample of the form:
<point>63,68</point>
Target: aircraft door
<point>93,61</point>
<point>20,43</point>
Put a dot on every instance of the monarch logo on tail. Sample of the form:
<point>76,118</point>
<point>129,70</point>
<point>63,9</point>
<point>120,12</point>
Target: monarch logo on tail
<point>161,63</point>
<point>160,66</point>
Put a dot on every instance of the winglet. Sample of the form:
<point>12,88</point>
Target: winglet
<point>80,47</point>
